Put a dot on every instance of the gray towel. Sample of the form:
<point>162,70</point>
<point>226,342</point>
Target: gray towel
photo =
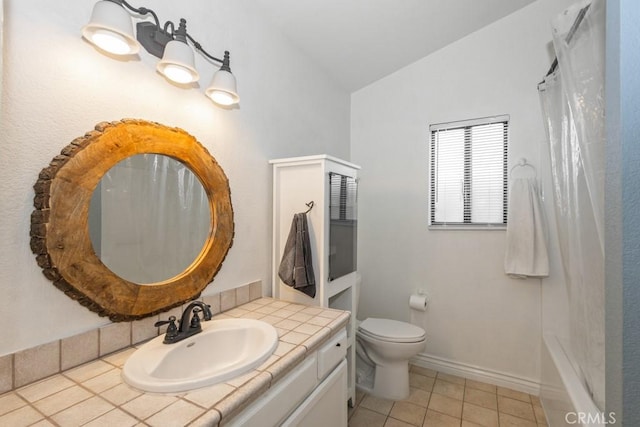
<point>296,269</point>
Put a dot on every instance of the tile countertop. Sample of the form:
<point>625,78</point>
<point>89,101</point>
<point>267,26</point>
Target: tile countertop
<point>94,394</point>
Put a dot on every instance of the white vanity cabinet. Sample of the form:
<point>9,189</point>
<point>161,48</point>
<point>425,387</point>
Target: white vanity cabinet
<point>313,394</point>
<point>331,185</point>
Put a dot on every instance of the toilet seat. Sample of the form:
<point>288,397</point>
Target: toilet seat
<point>391,330</point>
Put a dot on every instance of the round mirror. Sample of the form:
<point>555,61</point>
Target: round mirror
<point>69,253</point>
<point>149,218</point>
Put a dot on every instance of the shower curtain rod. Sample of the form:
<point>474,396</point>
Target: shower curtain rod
<point>569,37</point>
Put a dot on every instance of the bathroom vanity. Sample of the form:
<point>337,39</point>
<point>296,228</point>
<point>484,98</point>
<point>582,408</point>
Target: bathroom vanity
<point>313,394</point>
<point>331,184</point>
<point>303,382</point>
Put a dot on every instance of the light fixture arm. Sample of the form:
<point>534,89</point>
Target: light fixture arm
<point>199,48</point>
<point>140,11</point>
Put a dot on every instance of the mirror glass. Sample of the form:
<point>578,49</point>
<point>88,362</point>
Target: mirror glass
<point>343,225</point>
<point>149,218</point>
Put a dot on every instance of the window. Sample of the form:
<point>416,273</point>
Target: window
<point>468,172</point>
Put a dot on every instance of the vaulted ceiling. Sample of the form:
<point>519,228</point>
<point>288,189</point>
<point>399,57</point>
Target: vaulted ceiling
<point>360,41</point>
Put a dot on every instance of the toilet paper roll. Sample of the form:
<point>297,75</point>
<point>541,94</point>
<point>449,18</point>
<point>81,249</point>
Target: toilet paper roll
<point>418,302</point>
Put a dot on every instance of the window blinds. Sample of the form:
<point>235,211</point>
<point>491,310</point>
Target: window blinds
<point>468,172</point>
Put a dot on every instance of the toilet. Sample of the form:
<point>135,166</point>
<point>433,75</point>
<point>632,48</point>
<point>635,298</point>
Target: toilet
<point>383,350</point>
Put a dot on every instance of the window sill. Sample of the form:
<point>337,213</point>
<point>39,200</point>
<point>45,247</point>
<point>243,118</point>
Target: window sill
<point>477,227</point>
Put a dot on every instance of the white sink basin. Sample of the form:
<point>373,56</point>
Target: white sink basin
<point>225,348</point>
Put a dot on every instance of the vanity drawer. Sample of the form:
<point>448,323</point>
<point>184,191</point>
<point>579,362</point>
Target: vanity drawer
<point>332,353</point>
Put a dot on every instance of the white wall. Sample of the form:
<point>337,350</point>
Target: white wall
<point>56,87</point>
<point>477,317</point>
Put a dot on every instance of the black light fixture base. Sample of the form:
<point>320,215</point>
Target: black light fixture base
<point>152,38</point>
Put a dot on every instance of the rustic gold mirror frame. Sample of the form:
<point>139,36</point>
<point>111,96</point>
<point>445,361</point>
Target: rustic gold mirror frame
<point>60,231</point>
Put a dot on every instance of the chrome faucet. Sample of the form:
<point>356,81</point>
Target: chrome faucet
<point>189,322</point>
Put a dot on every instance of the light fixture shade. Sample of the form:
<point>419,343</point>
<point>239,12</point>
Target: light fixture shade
<point>178,63</point>
<point>222,89</point>
<point>111,29</point>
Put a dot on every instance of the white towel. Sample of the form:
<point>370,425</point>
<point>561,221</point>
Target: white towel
<point>526,249</point>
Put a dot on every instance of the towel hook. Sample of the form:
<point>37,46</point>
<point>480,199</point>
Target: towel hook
<point>523,164</point>
<point>310,206</point>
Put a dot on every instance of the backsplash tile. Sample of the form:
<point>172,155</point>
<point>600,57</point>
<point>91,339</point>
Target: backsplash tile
<point>78,349</point>
<point>214,303</point>
<point>36,363</point>
<point>31,365</point>
<point>143,330</point>
<point>255,290</point>
<point>227,299</point>
<point>6,373</point>
<point>115,336</point>
<point>94,393</point>
<point>242,295</point>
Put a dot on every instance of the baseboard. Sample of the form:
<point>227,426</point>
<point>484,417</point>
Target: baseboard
<point>476,373</point>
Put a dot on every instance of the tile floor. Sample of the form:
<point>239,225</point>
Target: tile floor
<point>442,400</point>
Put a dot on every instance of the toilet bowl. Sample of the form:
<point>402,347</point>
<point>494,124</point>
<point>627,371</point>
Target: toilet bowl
<point>383,350</point>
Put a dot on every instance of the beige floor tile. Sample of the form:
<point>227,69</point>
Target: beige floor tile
<point>535,400</point>
<point>446,388</point>
<point>418,397</point>
<point>516,407</point>
<point>115,417</point>
<point>446,405</point>
<point>88,371</point>
<point>146,405</point>
<point>437,419</point>
<point>178,414</point>
<point>466,423</point>
<point>423,371</point>
<point>408,412</point>
<point>119,358</point>
<point>120,394</point>
<point>104,381</point>
<point>513,394</point>
<point>420,381</point>
<point>364,417</point>
<point>392,422</point>
<point>507,420</point>
<point>208,396</point>
<point>44,388</point>
<point>43,423</point>
<point>62,400</point>
<point>24,416</point>
<point>540,416</point>
<point>489,388</point>
<point>451,378</point>
<point>83,412</point>
<point>10,402</point>
<point>294,337</point>
<point>479,415</point>
<point>481,398</point>
<point>382,406</point>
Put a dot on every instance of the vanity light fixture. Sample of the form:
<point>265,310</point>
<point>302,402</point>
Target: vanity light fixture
<point>111,30</point>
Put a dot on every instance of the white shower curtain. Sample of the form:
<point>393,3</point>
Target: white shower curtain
<point>572,100</point>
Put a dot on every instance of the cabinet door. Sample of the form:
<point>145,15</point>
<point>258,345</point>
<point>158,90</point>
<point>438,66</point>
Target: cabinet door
<point>327,405</point>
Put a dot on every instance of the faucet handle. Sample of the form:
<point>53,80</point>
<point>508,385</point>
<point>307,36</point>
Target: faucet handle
<point>172,328</point>
<point>195,320</point>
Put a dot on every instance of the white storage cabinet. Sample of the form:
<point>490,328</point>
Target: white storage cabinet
<point>296,182</point>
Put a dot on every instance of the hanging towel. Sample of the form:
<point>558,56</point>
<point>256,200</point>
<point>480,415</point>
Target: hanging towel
<point>526,249</point>
<point>296,269</point>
